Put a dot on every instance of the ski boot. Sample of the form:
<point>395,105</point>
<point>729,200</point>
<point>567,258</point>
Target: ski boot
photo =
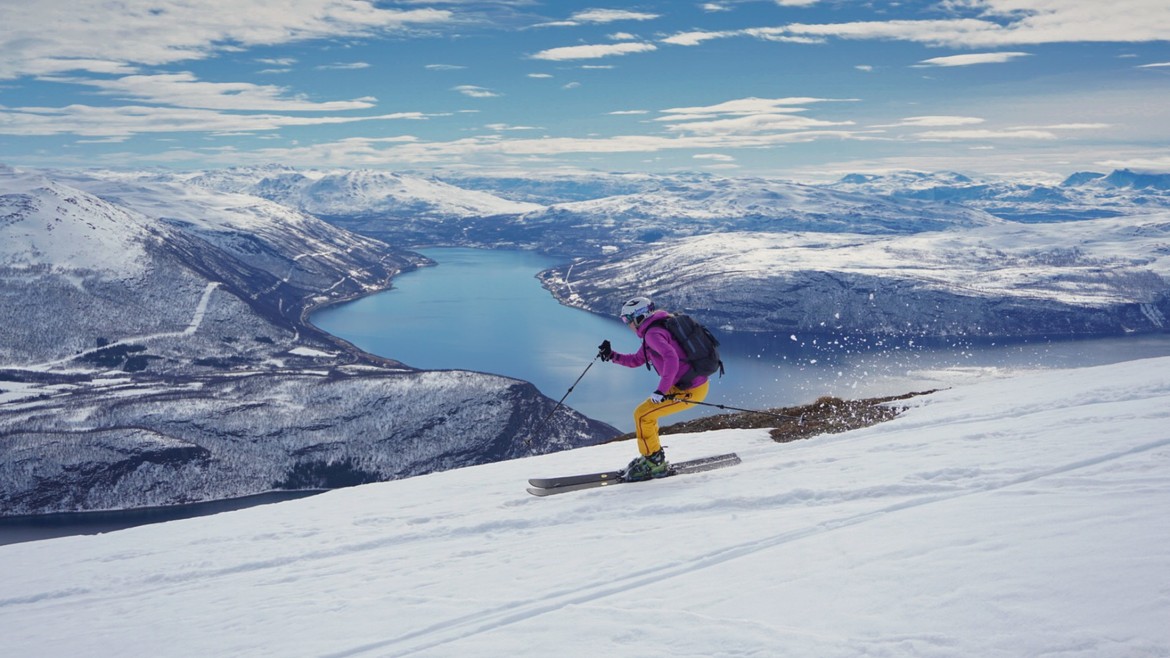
<point>646,467</point>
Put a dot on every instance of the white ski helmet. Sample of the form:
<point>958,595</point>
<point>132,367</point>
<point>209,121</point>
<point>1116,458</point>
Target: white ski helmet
<point>636,310</point>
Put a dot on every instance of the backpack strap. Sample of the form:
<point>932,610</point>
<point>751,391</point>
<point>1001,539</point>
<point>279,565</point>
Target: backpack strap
<point>646,348</point>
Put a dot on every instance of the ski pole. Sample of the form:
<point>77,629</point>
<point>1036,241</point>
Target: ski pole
<point>799,419</point>
<point>528,441</point>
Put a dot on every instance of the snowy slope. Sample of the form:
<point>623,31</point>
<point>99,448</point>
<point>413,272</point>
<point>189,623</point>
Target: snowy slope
<point>1080,196</point>
<point>692,205</point>
<point>151,331</point>
<point>1009,279</point>
<point>1020,517</point>
<point>361,192</point>
<point>290,245</point>
<point>44,223</point>
<point>89,259</point>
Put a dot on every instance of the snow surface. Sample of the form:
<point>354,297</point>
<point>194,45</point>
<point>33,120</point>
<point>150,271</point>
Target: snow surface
<point>357,192</point>
<point>804,280</point>
<point>47,224</point>
<point>697,205</point>
<point>1020,517</point>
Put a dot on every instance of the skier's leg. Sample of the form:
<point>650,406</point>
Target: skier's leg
<point>647,414</point>
<point>646,427</point>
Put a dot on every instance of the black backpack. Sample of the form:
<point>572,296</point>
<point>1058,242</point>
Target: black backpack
<point>700,348</point>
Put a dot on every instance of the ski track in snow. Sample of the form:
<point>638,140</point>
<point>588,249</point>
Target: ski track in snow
<point>189,330</point>
<point>1012,518</point>
<point>461,628</point>
<point>201,309</point>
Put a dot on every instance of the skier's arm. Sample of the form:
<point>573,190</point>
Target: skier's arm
<point>630,360</point>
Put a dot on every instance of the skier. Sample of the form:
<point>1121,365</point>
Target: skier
<point>671,396</point>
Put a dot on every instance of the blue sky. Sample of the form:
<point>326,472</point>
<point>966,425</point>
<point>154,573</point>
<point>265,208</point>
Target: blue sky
<point>801,89</point>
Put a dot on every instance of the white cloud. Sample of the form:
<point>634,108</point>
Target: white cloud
<point>753,124</point>
<point>697,37</point>
<point>185,90</point>
<point>1067,126</point>
<point>1155,65</point>
<point>366,152</point>
<point>746,116</point>
<point>92,35</point>
<point>475,92</point>
<point>1156,164</point>
<point>972,59</point>
<point>934,32</point>
<point>949,135</point>
<point>751,105</point>
<point>124,121</point>
<point>998,23</point>
<point>780,35</point>
<point>1053,21</point>
<point>610,16</point>
<point>344,66</point>
<point>718,157</point>
<point>444,67</point>
<point>541,76</point>
<point>935,121</point>
<point>502,127</point>
<point>593,51</point>
<point>1079,126</point>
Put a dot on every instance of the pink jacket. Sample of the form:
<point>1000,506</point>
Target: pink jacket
<point>665,354</point>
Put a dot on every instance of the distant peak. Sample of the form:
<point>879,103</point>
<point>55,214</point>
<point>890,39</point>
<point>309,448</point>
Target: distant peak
<point>1121,178</point>
<point>1080,178</point>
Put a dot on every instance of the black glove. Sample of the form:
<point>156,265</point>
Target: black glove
<point>605,351</point>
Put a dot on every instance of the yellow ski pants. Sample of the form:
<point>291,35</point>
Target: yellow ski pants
<point>647,414</point>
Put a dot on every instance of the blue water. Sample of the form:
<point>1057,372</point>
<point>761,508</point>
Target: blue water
<point>485,310</point>
<point>17,529</point>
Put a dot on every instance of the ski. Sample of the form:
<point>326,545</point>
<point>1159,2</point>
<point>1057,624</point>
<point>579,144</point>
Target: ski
<point>559,485</point>
<point>570,480</point>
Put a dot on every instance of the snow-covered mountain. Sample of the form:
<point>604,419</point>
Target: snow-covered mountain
<point>1121,179</point>
<point>1105,276</point>
<point>1083,195</point>
<point>131,298</point>
<point>359,193</point>
<point>89,258</point>
<point>112,442</point>
<point>47,225</point>
<point>1020,517</point>
<point>556,187</point>
<point>154,350</point>
<point>673,207</point>
<point>684,206</point>
<point>576,215</point>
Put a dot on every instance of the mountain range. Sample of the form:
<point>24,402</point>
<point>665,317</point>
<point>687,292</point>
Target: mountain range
<point>1083,195</point>
<point>155,346</point>
<point>154,350</point>
<point>903,253</point>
